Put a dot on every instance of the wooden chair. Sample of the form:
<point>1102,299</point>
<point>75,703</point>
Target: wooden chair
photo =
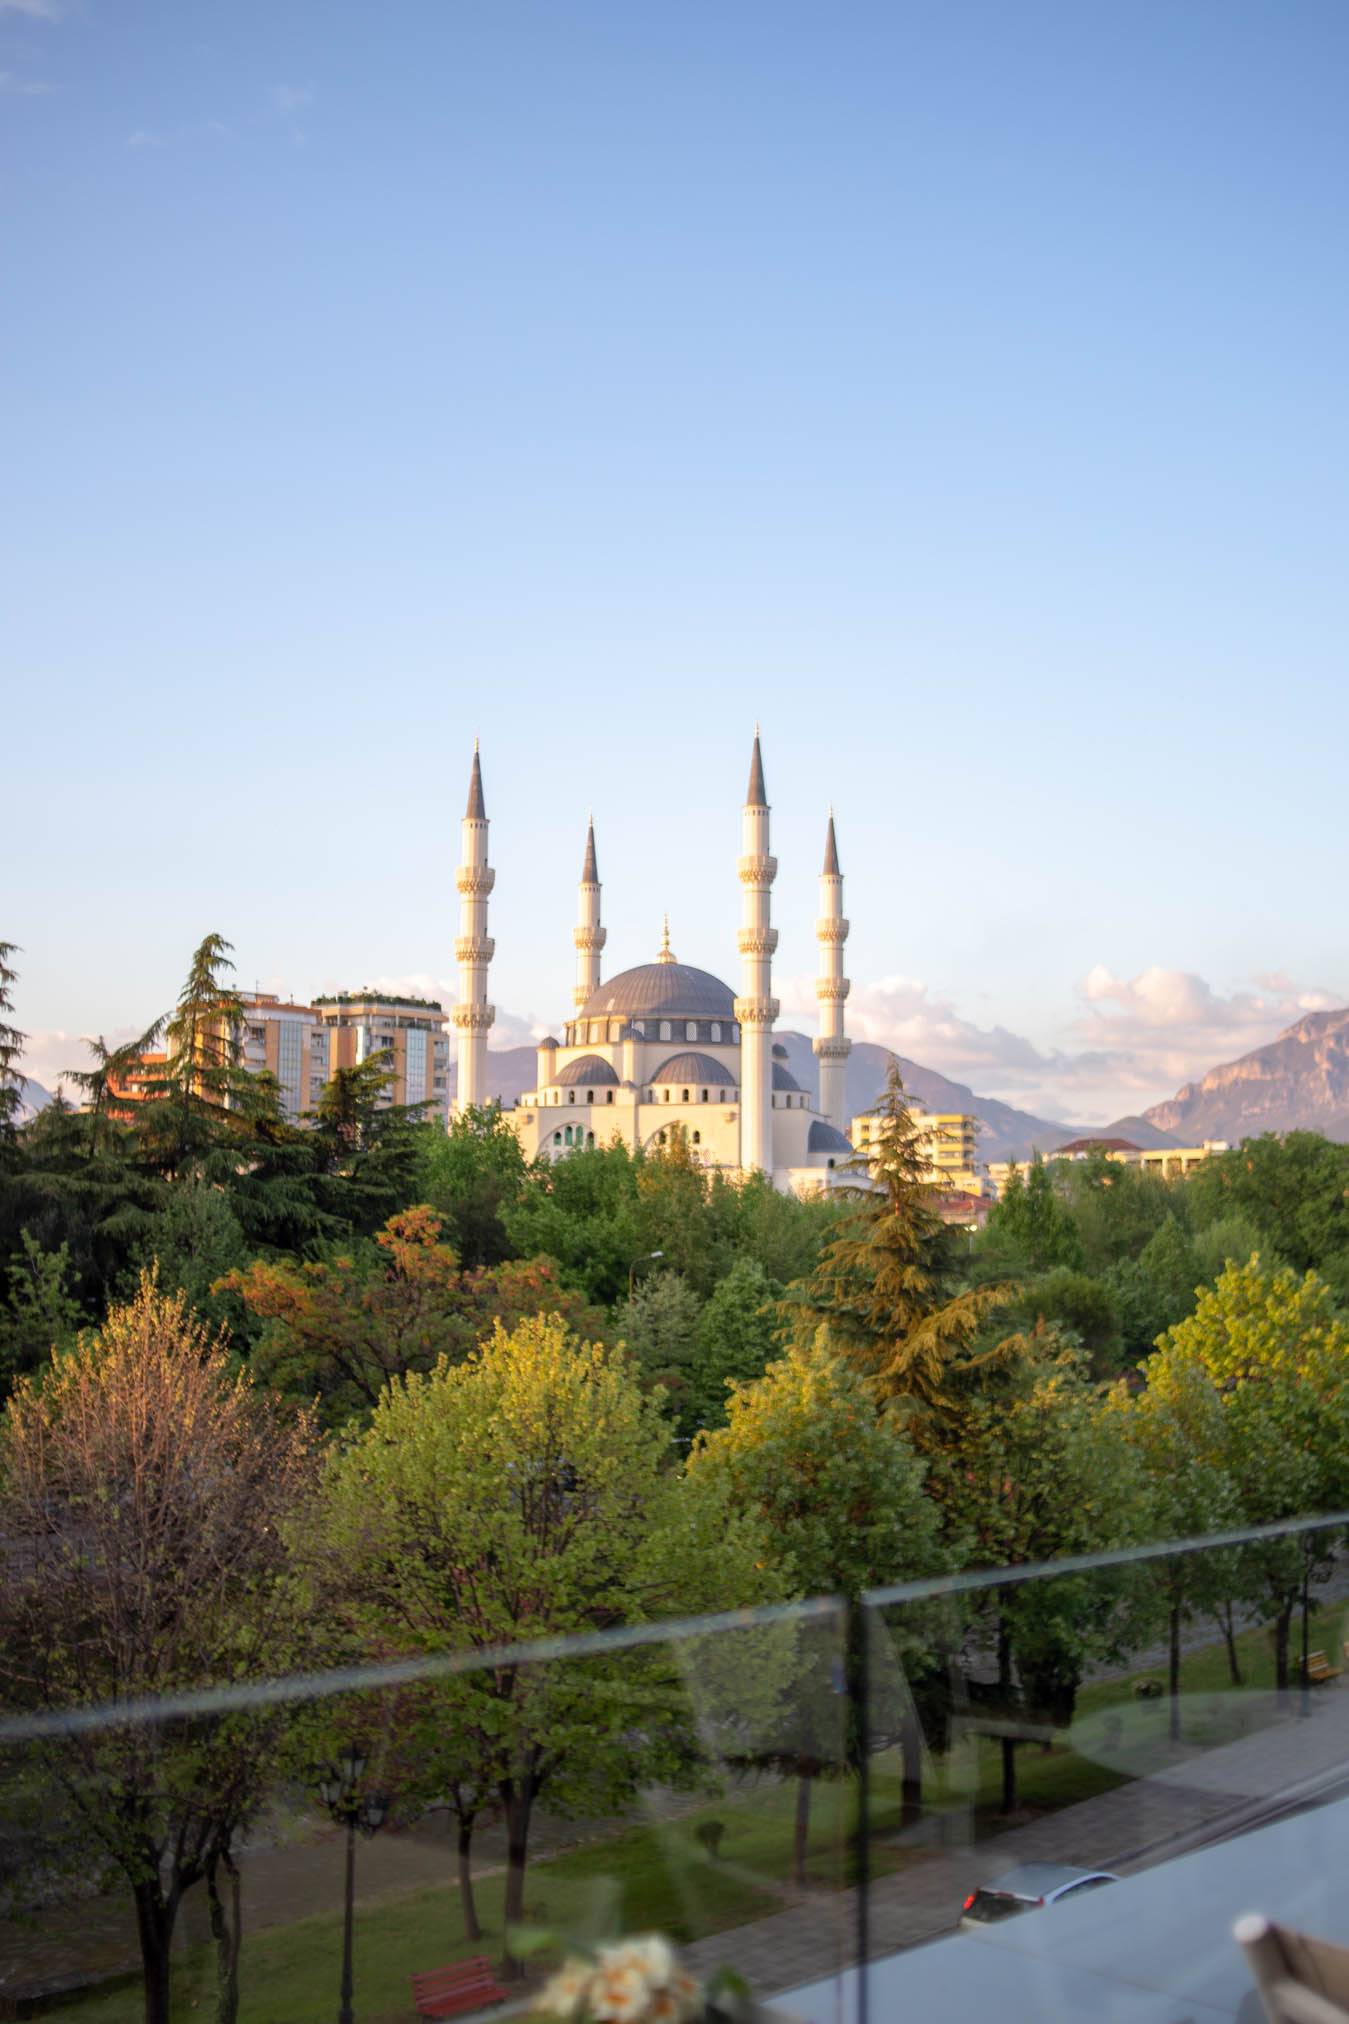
<point>1301,1980</point>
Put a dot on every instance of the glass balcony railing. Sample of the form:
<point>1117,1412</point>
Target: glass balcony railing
<point>1032,1793</point>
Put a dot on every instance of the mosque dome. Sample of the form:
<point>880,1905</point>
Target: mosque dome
<point>783,1077</point>
<point>662,991</point>
<point>586,1068</point>
<point>825,1138</point>
<point>694,1068</point>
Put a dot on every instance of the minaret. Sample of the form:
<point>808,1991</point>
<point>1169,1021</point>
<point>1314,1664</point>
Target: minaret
<point>833,1046</point>
<point>588,935</point>
<point>473,950</point>
<point>756,1008</point>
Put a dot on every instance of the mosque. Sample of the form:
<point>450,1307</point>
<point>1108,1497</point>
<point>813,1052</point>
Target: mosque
<point>664,1047</point>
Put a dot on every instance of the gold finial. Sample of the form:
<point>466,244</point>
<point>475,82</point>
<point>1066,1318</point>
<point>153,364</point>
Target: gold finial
<point>664,953</point>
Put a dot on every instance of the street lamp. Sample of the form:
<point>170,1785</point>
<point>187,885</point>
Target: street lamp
<point>339,1789</point>
<point>640,1260</point>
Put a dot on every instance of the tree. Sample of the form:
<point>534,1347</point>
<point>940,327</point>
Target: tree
<point>11,1046</point>
<point>1030,1218</point>
<point>840,1494</point>
<point>146,1489</point>
<point>342,1327</point>
<point>660,1329</point>
<point>884,1279</point>
<point>525,1494</point>
<point>1274,1355</point>
<point>1155,1290</point>
<point>471,1174</point>
<point>42,1317</point>
<point>736,1338</point>
<point>1295,1188</point>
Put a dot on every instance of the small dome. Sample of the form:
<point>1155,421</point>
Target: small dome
<point>694,1068</point>
<point>662,990</point>
<point>586,1068</point>
<point>779,1051</point>
<point>783,1077</point>
<point>824,1139</point>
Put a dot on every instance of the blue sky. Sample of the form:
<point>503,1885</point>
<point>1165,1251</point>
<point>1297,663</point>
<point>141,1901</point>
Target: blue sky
<point>957,389</point>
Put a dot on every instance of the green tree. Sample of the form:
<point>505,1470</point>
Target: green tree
<point>42,1318</point>
<point>885,1277</point>
<point>471,1174</point>
<point>1295,1188</point>
<point>736,1339</point>
<point>520,1495</point>
<point>1276,1357</point>
<point>1031,1220</point>
<point>840,1495</point>
<point>1087,1308</point>
<point>155,1487</point>
<point>660,1327</point>
<point>583,1211</point>
<point>1155,1290</point>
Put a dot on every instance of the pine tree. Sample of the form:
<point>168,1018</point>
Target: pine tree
<point>11,1046</point>
<point>884,1282</point>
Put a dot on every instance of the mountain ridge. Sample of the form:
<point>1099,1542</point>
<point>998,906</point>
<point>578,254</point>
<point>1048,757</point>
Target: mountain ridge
<point>1299,1081</point>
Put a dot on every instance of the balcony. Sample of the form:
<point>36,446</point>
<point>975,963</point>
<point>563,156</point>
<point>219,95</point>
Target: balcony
<point>807,1793</point>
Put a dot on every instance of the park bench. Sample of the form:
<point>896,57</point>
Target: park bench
<point>1320,1668</point>
<point>443,1992</point>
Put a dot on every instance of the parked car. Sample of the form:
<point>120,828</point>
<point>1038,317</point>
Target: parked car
<point>1025,1888</point>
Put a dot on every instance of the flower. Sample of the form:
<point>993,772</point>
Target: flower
<point>633,1982</point>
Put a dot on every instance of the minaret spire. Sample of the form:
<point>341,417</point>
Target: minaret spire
<point>474,948</point>
<point>831,932</point>
<point>588,936</point>
<point>756,1008</point>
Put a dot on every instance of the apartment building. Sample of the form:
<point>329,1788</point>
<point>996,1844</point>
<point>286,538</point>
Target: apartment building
<point>357,1024</point>
<point>291,1042</point>
<point>947,1142</point>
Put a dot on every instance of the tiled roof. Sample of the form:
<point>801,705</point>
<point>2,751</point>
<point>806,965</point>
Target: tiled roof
<point>694,1068</point>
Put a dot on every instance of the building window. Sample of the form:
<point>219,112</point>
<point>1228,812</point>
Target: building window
<point>665,1033</point>
<point>557,1138</point>
<point>831,1163</point>
<point>571,1096</point>
<point>639,1027</point>
<point>590,1138</point>
<point>697,1138</point>
<point>691,1029</point>
<point>683,1096</point>
<point>716,1029</point>
<point>665,1096</point>
<point>660,1138</point>
<point>721,1096</point>
<point>590,1096</point>
<point>608,1096</point>
<point>702,1096</point>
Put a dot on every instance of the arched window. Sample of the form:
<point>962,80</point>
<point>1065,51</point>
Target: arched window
<point>702,1098</point>
<point>608,1096</point>
<point>683,1096</point>
<point>716,1029</point>
<point>665,1096</point>
<point>639,1027</point>
<point>590,1096</point>
<point>571,1096</point>
<point>557,1138</point>
<point>831,1163</point>
<point>691,1029</point>
<point>615,1029</point>
<point>721,1096</point>
<point>566,1136</point>
<point>590,1138</point>
<point>660,1138</point>
<point>665,1029</point>
<point>697,1138</point>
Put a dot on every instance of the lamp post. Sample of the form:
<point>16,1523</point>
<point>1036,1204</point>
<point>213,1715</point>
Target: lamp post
<point>339,1789</point>
<point>640,1260</point>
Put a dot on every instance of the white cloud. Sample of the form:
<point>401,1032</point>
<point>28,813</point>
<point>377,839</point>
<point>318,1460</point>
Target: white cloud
<point>1133,1041</point>
<point>34,10</point>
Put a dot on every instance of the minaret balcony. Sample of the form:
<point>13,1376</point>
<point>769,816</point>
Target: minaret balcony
<point>832,990</point>
<point>756,871</point>
<point>589,939</point>
<point>473,1018</point>
<point>832,928</point>
<point>832,1046</point>
<point>474,949</point>
<point>475,878</point>
<point>757,1012</point>
<point>757,941</point>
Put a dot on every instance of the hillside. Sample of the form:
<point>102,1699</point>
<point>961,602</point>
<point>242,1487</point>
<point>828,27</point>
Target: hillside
<point>1299,1082</point>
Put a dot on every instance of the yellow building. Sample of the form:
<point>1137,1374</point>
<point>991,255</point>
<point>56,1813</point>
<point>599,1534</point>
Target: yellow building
<point>288,1041</point>
<point>947,1142</point>
<point>1168,1161</point>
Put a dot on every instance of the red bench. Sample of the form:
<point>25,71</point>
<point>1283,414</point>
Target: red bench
<point>441,1992</point>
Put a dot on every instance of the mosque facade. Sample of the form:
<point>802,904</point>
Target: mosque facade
<point>666,1049</point>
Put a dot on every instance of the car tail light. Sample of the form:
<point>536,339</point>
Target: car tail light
<point>968,1902</point>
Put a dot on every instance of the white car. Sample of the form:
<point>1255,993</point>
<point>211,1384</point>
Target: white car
<point>1024,1889</point>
